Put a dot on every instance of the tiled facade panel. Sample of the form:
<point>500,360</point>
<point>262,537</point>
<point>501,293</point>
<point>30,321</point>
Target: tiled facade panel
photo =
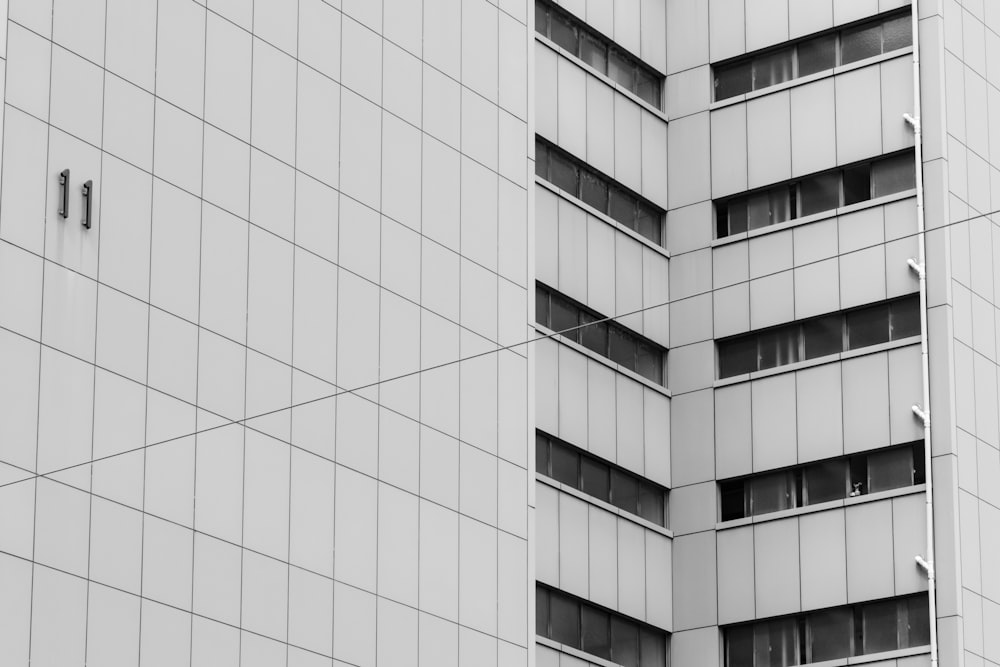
<point>821,559</point>
<point>603,557</point>
<point>820,412</point>
<point>590,261</point>
<point>262,237</point>
<point>588,404</point>
<point>585,116</point>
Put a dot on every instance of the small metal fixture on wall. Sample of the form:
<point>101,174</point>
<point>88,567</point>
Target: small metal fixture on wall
<point>88,197</point>
<point>64,193</point>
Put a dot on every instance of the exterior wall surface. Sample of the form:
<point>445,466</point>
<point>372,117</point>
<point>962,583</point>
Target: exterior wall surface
<point>292,200</point>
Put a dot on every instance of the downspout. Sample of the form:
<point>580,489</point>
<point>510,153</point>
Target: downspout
<point>919,266</point>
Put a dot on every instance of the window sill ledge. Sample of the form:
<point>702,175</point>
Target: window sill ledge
<point>605,79</point>
<point>607,507</point>
<point>822,507</point>
<point>559,338</point>
<point>817,76</point>
<point>818,361</point>
<point>603,217</point>
<point>815,217</point>
<point>871,657</point>
<point>575,652</point>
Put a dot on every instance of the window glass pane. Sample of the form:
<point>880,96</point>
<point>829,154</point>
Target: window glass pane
<point>919,475</point>
<point>904,318</point>
<point>595,632</point>
<point>564,618</point>
<point>624,643</point>
<point>779,347</point>
<point>565,317</point>
<point>622,207</point>
<point>624,492</point>
<point>595,478</point>
<point>917,621</point>
<point>894,174</point>
<point>733,80</point>
<point>823,336</point>
<point>622,347</point>
<point>734,217</point>
<point>737,356</point>
<point>541,612</point>
<point>594,191</point>
<point>740,646</point>
<point>733,500</point>
<point>541,160</point>
<point>897,33</point>
<point>891,469</point>
<point>879,627</point>
<point>650,362</point>
<point>651,504</point>
<point>541,20</point>
<point>828,634</point>
<point>759,210</point>
<point>859,43</point>
<point>817,55</point>
<point>648,87</point>
<point>595,336</point>
<point>781,204</point>
<point>541,454</point>
<point>776,643</point>
<point>650,223</point>
<point>824,481</point>
<point>564,174</point>
<point>868,326</point>
<point>565,465</point>
<point>819,193</point>
<point>594,53</point>
<point>652,649</point>
<point>771,493</point>
<point>541,306</point>
<point>621,70</point>
<point>772,69</point>
<point>563,32</point>
<point>857,184</point>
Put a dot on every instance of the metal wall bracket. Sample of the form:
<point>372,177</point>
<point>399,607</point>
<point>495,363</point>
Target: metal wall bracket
<point>88,197</point>
<point>64,193</point>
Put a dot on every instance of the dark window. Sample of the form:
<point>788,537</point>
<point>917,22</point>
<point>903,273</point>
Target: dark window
<point>814,54</point>
<point>822,481</point>
<point>593,331</point>
<point>823,336</point>
<point>737,356</point>
<point>598,191</point>
<point>817,193</point>
<point>868,326</point>
<point>829,634</point>
<point>602,480</point>
<point>599,632</point>
<point>599,52</point>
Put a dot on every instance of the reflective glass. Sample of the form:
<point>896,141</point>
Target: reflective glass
<point>622,347</point>
<point>595,632</point>
<point>823,336</point>
<point>824,481</point>
<point>819,193</point>
<point>860,43</point>
<point>740,646</point>
<point>541,454</point>
<point>867,326</point>
<point>897,33</point>
<point>891,469</point>
<point>541,20</point>
<point>817,55</point>
<point>648,88</point>
<point>828,634</point>
<point>904,318</point>
<point>857,184</point>
<point>594,191</point>
<point>879,627</point>
<point>737,356</point>
<point>624,491</point>
<point>541,160</point>
<point>622,207</point>
<point>649,362</point>
<point>917,622</point>
<point>541,306</point>
<point>895,174</point>
<point>594,53</point>
<point>781,205</point>
<point>563,32</point>
<point>595,336</point>
<point>652,649</point>
<point>650,223</point>
<point>771,493</point>
<point>595,478</point>
<point>733,80</point>
<point>779,347</point>
<point>776,643</point>
<point>620,70</point>
<point>772,68</point>
<point>651,504</point>
<point>565,465</point>
<point>759,210</point>
<point>542,612</point>
<point>624,643</point>
<point>564,618</point>
<point>735,218</point>
<point>565,319</point>
<point>733,497</point>
<point>564,174</point>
